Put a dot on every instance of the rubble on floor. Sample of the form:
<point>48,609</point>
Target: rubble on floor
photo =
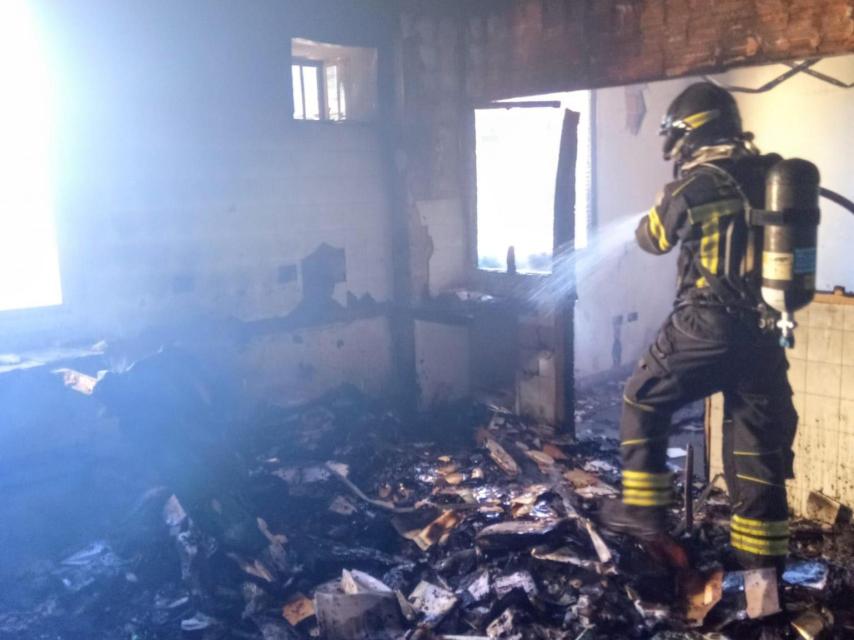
<point>338,520</point>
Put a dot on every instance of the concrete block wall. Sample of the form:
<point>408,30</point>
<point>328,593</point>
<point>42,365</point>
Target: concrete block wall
<point>230,252</point>
<point>444,222</point>
<point>430,150</point>
<point>301,365</point>
<point>184,187</point>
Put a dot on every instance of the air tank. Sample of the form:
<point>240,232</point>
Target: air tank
<point>789,243</point>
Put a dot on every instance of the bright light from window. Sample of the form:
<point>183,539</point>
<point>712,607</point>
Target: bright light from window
<point>517,158</point>
<point>517,154</point>
<point>29,265</point>
<point>333,82</point>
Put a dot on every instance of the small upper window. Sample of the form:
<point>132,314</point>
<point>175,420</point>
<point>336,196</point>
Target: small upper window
<point>333,82</point>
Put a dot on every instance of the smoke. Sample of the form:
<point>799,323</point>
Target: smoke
<point>605,244</point>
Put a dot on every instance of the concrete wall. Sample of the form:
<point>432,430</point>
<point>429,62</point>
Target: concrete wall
<point>443,361</point>
<point>185,188</point>
<point>616,280</point>
<point>190,209</point>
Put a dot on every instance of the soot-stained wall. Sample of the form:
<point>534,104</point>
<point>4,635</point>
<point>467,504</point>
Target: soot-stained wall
<point>624,294</point>
<point>190,210</point>
<point>538,46</point>
<point>184,188</point>
<point>454,56</point>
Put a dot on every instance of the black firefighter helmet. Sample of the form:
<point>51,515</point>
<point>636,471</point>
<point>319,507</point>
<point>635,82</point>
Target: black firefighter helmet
<point>702,115</point>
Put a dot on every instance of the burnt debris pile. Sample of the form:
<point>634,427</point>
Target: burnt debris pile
<point>339,520</point>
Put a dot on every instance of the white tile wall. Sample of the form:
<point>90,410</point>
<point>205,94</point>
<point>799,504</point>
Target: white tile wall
<point>847,387</point>
<point>821,372</point>
<point>848,346</point>
<point>827,316</point>
<point>824,378</point>
<point>825,345</point>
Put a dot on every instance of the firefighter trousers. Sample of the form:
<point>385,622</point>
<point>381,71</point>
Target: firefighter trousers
<point>701,350</point>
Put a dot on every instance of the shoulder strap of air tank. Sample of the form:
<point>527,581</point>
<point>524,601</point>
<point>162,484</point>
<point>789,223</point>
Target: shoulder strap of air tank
<point>731,291</point>
<point>729,178</point>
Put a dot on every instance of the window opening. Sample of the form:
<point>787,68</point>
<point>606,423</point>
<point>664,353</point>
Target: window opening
<point>517,149</point>
<point>333,82</point>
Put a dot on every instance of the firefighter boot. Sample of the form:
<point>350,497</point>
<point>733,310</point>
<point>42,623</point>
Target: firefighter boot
<point>648,525</point>
<point>748,561</point>
<point>643,523</point>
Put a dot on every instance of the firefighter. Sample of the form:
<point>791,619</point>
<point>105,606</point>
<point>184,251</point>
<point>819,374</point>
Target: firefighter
<point>716,339</point>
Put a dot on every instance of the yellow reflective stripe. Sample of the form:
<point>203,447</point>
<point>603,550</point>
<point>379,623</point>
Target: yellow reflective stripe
<point>637,490</point>
<point>652,500</point>
<point>753,522</point>
<point>638,405</point>
<point>760,533</point>
<point>716,209</point>
<point>634,502</point>
<point>665,492</point>
<point>759,550</point>
<point>628,443</point>
<point>656,229</point>
<point>759,547</point>
<point>759,481</point>
<point>752,538</point>
<point>756,453</point>
<point>643,475</point>
<point>696,120</point>
<point>768,528</point>
<point>709,216</point>
<point>709,245</point>
<point>647,483</point>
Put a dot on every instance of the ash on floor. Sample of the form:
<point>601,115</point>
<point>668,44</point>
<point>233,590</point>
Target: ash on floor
<point>340,520</point>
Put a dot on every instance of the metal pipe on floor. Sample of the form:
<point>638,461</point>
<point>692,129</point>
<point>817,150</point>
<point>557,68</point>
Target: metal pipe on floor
<point>688,493</point>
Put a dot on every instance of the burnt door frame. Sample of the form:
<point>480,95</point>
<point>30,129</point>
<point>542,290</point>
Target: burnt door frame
<point>563,268</point>
<point>518,286</point>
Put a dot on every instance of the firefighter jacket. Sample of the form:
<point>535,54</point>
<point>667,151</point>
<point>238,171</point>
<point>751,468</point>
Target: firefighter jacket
<point>704,211</point>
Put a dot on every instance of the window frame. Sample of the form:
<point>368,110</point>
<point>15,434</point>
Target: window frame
<point>328,111</point>
<point>496,281</point>
<point>320,70</point>
<point>377,76</point>
<point>524,104</point>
